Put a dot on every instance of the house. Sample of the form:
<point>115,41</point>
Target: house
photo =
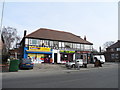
<point>15,53</point>
<point>112,53</point>
<point>45,44</point>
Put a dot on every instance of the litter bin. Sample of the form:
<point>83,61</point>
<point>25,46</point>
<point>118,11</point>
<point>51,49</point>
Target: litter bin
<point>14,65</point>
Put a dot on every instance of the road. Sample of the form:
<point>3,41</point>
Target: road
<point>103,77</point>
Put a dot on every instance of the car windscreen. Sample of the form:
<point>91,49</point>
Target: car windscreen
<point>26,61</point>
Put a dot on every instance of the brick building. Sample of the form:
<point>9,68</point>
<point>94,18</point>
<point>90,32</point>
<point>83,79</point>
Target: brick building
<point>112,53</point>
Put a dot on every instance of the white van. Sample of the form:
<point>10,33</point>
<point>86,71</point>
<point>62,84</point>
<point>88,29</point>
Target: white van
<point>100,57</point>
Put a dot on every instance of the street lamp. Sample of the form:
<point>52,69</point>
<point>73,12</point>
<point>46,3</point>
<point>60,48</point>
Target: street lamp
<point>2,16</point>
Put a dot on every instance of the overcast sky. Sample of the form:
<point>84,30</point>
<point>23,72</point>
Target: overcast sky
<point>97,20</point>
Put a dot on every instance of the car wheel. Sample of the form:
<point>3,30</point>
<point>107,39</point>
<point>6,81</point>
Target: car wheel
<point>85,65</point>
<point>69,67</point>
<point>73,66</point>
<point>20,68</point>
<point>32,68</point>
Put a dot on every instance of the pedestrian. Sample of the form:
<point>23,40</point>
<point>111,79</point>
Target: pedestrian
<point>96,64</point>
<point>78,65</point>
<point>100,63</point>
<point>29,58</point>
<point>51,60</point>
<point>46,59</point>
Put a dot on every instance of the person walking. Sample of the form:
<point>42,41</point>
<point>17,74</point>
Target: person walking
<point>77,65</point>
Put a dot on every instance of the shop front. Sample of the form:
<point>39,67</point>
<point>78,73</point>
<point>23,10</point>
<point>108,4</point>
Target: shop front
<point>85,55</point>
<point>66,56</point>
<point>38,54</point>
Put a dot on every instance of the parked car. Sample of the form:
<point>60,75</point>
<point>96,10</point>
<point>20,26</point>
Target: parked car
<point>26,63</point>
<point>79,61</point>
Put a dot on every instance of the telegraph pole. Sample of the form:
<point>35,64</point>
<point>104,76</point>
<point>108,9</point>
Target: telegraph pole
<point>2,16</point>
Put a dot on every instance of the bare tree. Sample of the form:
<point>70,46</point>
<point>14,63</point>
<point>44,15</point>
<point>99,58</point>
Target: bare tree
<point>107,44</point>
<point>10,38</point>
<point>94,50</point>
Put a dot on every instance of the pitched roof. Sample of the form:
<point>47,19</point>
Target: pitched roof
<point>49,34</point>
<point>115,45</point>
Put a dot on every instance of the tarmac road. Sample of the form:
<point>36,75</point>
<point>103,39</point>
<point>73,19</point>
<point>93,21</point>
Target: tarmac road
<point>103,77</point>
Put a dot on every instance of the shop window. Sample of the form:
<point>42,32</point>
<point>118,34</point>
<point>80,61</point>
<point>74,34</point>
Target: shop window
<point>81,56</point>
<point>77,56</point>
<point>64,57</point>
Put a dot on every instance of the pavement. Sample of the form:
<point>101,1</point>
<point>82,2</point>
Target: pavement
<point>62,66</point>
<point>44,67</point>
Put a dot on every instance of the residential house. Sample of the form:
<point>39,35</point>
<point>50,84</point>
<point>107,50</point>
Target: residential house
<point>112,53</point>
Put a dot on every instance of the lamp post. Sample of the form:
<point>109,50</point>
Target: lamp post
<point>2,16</point>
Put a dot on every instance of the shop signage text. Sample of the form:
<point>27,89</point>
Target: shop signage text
<point>83,51</point>
<point>35,48</point>
<point>62,51</point>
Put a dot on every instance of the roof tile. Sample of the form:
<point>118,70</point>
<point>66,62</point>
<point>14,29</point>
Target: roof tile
<point>50,34</point>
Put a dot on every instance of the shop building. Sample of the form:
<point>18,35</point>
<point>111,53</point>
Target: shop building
<point>46,45</point>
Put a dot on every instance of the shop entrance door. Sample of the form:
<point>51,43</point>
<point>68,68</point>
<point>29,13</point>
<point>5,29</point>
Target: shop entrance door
<point>85,58</point>
<point>55,57</point>
<point>70,57</point>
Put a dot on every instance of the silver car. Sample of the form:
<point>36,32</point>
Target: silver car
<point>72,63</point>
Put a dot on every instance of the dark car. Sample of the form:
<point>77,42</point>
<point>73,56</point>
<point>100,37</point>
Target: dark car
<point>26,63</point>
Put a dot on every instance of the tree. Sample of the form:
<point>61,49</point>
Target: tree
<point>107,44</point>
<point>94,51</point>
<point>10,39</point>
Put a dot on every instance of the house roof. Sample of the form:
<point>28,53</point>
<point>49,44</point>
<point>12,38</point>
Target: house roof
<point>115,45</point>
<point>49,34</point>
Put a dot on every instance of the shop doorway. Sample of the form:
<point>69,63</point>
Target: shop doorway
<point>70,57</point>
<point>55,57</point>
<point>85,58</point>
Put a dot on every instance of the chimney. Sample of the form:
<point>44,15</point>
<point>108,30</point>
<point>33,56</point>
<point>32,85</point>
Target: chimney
<point>100,49</point>
<point>25,31</point>
<point>85,38</point>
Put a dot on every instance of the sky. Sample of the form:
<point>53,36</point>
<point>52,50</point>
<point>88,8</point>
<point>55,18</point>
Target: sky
<point>98,21</point>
